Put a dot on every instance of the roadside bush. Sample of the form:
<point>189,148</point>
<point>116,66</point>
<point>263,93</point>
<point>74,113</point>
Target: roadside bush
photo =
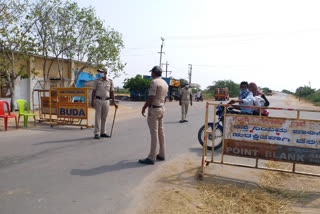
<point>308,93</point>
<point>137,84</point>
<point>304,91</point>
<point>287,91</point>
<point>207,95</point>
<point>123,91</point>
<point>266,90</point>
<point>315,97</point>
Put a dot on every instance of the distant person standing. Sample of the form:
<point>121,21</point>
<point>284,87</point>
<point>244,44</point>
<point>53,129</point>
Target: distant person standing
<point>102,92</point>
<point>157,97</point>
<point>185,100</point>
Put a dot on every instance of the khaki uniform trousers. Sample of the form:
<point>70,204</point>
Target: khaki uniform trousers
<point>184,109</point>
<point>155,123</point>
<point>102,109</point>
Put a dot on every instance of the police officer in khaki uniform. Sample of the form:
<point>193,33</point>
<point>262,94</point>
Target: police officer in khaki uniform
<point>185,100</point>
<point>155,104</point>
<point>101,94</point>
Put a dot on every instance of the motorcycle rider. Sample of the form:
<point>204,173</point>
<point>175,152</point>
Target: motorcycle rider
<point>259,99</point>
<point>198,96</point>
<point>245,98</point>
<point>243,90</point>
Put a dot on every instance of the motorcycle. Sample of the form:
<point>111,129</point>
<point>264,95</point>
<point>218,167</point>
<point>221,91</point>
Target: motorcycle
<point>218,127</point>
<point>199,99</point>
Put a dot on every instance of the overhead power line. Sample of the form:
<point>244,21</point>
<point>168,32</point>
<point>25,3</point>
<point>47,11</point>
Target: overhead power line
<point>186,37</point>
<point>167,64</point>
<point>246,37</point>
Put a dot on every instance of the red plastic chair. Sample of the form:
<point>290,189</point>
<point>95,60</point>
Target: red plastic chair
<point>9,115</point>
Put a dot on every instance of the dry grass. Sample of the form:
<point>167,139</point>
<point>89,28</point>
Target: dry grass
<point>268,197</point>
<point>229,198</point>
<point>274,178</point>
<point>179,192</point>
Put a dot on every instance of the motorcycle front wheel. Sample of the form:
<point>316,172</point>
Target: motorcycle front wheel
<point>217,139</point>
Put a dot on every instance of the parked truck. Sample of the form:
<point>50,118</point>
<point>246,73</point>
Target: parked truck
<point>221,94</point>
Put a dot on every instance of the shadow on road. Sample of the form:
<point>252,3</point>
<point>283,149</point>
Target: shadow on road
<point>67,141</point>
<point>124,164</point>
<point>171,122</point>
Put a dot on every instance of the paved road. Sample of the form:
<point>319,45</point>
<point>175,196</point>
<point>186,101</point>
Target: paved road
<point>64,170</point>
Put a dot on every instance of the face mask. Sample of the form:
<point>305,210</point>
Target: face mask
<point>187,86</point>
<point>243,90</point>
<point>101,75</point>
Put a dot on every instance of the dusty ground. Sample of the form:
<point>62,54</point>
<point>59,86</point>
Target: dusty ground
<point>294,102</point>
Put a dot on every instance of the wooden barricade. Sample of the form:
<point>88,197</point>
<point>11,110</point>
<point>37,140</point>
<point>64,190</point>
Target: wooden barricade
<point>293,140</point>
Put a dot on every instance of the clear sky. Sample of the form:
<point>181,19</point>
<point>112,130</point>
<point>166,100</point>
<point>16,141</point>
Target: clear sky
<point>275,43</point>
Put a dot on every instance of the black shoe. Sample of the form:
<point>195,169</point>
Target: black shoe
<point>104,135</point>
<point>185,121</point>
<point>181,121</point>
<point>146,161</point>
<point>96,136</point>
<point>159,158</point>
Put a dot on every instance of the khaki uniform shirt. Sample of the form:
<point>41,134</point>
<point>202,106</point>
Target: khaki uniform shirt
<point>185,94</point>
<point>103,87</point>
<point>159,89</point>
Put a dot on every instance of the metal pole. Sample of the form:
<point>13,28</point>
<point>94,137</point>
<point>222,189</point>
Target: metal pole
<point>161,54</point>
<point>166,69</point>
<point>161,51</point>
<point>190,73</point>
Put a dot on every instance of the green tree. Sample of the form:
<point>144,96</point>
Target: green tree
<point>44,13</point>
<point>304,91</point>
<point>286,91</point>
<point>137,84</point>
<point>183,82</point>
<point>265,90</point>
<point>67,31</point>
<point>94,44</point>
<point>16,42</point>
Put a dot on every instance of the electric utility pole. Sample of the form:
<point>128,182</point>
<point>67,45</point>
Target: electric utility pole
<point>190,73</point>
<point>162,39</point>
<point>166,68</point>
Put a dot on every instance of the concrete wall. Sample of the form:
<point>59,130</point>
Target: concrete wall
<point>23,90</point>
<point>65,68</point>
